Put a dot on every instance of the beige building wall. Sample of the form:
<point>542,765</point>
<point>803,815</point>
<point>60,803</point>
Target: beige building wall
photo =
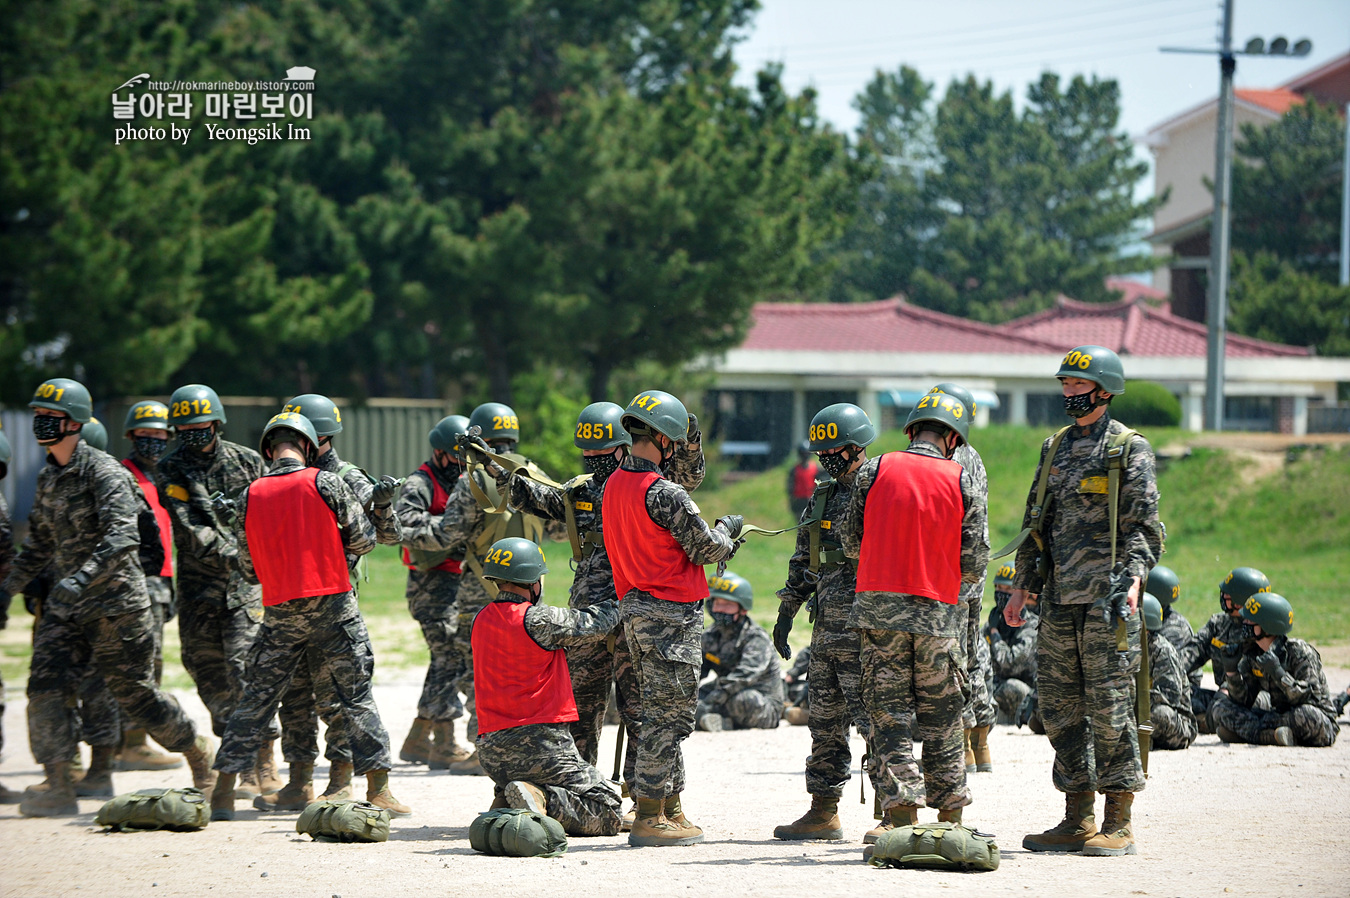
<point>1183,157</point>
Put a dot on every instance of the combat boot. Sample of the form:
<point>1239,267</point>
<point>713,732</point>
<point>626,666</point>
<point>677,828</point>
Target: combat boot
<point>467,767</point>
<point>1071,833</point>
<point>445,750</point>
<point>526,796</point>
<point>246,785</point>
<point>295,795</point>
<point>628,819</point>
<point>97,780</point>
<point>821,822</point>
<point>200,756</point>
<point>795,716</point>
<point>900,815</point>
<point>269,782</point>
<point>950,815</point>
<point>57,800</point>
<point>1227,735</point>
<point>1116,837</point>
<point>339,786</point>
<point>1277,736</point>
<point>417,747</point>
<point>9,796</point>
<point>670,806</point>
<point>711,722</point>
<point>378,794</point>
<point>970,753</point>
<point>137,754</point>
<point>979,742</point>
<point>653,829</point>
<point>222,798</point>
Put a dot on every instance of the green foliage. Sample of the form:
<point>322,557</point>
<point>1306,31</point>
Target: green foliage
<point>1146,404</point>
<point>1274,299</point>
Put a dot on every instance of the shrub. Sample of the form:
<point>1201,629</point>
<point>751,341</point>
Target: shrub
<point>1146,404</point>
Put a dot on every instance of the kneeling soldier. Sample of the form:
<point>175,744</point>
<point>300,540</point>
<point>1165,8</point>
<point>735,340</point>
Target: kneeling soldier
<point>524,695</point>
<point>747,693</point>
<point>1173,720</point>
<point>295,542</point>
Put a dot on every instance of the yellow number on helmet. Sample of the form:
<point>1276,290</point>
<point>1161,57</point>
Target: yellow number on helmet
<point>1084,362</point>
<point>1253,605</point>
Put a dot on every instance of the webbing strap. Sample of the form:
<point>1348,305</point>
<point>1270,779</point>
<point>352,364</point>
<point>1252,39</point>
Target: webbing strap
<point>570,513</point>
<point>824,492</point>
<point>1117,453</point>
<point>1143,688</point>
<point>1038,506</point>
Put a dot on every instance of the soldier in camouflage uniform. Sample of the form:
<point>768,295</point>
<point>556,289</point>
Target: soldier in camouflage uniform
<point>1164,585</point>
<point>1220,639</point>
<point>746,692</point>
<point>1287,670</point>
<point>7,796</point>
<point>82,530</point>
<point>435,565</point>
<point>1174,724</point>
<point>657,543</point>
<point>218,613</point>
<point>822,578</point>
<point>525,744</point>
<point>1012,651</point>
<point>310,607</point>
<point>302,704</point>
<point>916,523</point>
<point>1085,680</point>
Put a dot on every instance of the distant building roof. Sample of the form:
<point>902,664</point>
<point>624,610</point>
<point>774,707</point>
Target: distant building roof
<point>1133,290</point>
<point>1137,328</point>
<point>1277,101</point>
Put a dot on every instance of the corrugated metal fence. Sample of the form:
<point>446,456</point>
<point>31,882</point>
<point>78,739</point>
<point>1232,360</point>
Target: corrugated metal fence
<point>384,436</point>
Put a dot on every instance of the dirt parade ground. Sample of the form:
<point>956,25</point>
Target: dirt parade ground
<point>1215,820</point>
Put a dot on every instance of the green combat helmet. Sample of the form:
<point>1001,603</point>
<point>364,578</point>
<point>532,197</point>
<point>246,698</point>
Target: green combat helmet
<point>1270,611</point>
<point>95,434</point>
<point>320,410</point>
<point>514,560</point>
<point>655,411</point>
<point>733,588</point>
<point>445,435</point>
<point>194,404</point>
<point>841,424</point>
<point>147,415</point>
<point>298,424</point>
<point>600,426</point>
<point>1004,576</point>
<point>942,409</point>
<point>497,421</point>
<point>960,392</point>
<point>61,394</point>
<point>1097,364</point>
<point>1164,584</point>
<point>1239,585</point>
<point>1152,609</point>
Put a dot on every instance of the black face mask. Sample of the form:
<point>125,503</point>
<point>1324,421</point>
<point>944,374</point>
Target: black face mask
<point>836,464</point>
<point>1080,406</point>
<point>48,429</point>
<point>198,438</point>
<point>1248,633</point>
<point>152,448</point>
<point>722,620</point>
<point>601,466</point>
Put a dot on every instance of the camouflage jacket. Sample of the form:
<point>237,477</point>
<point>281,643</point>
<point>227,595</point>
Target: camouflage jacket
<point>556,628</point>
<point>687,466</point>
<point>83,521</point>
<point>6,558</point>
<point>917,614</point>
<point>151,553</point>
<point>1220,633</point>
<point>743,658</point>
<point>1076,524</point>
<point>833,587</point>
<point>972,594</point>
<point>1012,650</point>
<point>388,532</point>
<point>1304,682</point>
<point>206,546</point>
<point>1177,631</point>
<point>430,593</point>
<point>1169,684</point>
<point>357,532</point>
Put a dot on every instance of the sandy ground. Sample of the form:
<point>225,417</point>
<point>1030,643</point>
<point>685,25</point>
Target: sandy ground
<point>1215,820</point>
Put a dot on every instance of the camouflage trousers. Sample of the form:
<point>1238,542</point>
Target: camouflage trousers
<point>1171,730</point>
<point>1009,695</point>
<point>100,721</point>
<point>431,602</point>
<point>463,683</point>
<point>302,706</point>
<point>1312,726</point>
<point>593,668</point>
<point>914,688</point>
<point>1086,691</point>
<point>748,709</point>
<point>834,690</point>
<point>121,649</point>
<point>979,710</point>
<point>543,754</point>
<point>332,628</point>
<point>216,642</point>
<point>666,642</point>
<point>1202,699</point>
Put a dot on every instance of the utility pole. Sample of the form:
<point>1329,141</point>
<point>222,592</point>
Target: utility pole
<point>1345,206</point>
<point>1216,304</point>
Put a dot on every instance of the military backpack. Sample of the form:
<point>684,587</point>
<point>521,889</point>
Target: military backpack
<point>513,832</point>
<point>344,821</point>
<point>181,810</point>
<point>935,846</point>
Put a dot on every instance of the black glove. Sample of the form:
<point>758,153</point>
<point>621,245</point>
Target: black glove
<point>71,588</point>
<point>732,523</point>
<point>386,490</point>
<point>1268,666</point>
<point>1027,710</point>
<point>1340,701</point>
<point>781,629</point>
<point>1226,663</point>
<point>692,434</point>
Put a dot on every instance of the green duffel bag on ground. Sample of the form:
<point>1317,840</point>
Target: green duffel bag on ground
<point>344,821</point>
<point>181,810</point>
<point>935,846</point>
<point>514,832</point>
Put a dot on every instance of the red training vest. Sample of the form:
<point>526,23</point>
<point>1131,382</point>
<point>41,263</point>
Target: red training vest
<point>804,481</point>
<point>438,499</point>
<point>644,555</point>
<point>516,681</point>
<point>294,539</point>
<point>912,528</point>
<point>161,514</point>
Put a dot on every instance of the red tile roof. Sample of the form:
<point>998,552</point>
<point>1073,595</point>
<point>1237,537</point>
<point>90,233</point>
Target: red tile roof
<point>1136,328</point>
<point>1277,101</point>
<point>891,325</point>
<point>1133,290</point>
